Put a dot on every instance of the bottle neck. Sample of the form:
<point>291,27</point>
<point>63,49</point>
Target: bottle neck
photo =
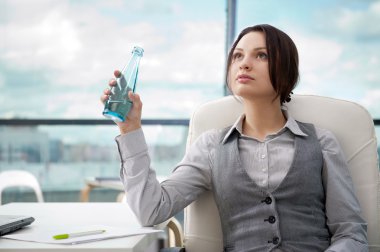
<point>138,51</point>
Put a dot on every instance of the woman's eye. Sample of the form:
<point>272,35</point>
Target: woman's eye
<point>237,55</point>
<point>262,56</point>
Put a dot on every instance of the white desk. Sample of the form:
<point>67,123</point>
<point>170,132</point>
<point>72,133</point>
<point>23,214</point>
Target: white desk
<point>108,214</point>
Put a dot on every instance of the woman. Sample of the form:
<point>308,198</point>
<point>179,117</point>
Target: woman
<point>279,184</point>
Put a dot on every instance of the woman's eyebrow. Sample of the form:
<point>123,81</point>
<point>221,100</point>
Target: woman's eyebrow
<point>259,48</point>
<point>254,49</point>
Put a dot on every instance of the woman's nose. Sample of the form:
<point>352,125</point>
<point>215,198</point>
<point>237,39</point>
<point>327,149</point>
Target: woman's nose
<point>245,65</point>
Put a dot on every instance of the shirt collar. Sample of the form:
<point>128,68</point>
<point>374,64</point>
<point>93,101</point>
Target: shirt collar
<point>238,123</point>
<point>290,124</point>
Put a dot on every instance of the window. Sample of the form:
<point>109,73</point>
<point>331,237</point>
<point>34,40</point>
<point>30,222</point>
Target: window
<point>56,58</point>
<point>338,43</point>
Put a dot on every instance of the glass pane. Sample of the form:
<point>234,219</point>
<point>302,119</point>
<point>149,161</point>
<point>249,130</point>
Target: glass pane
<point>338,42</point>
<point>62,157</point>
<point>56,57</point>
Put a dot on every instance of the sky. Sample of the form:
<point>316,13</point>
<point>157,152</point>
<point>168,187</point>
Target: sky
<point>338,43</point>
<point>56,56</point>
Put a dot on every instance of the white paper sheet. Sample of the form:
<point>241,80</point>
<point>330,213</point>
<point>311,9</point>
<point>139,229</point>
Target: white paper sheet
<point>44,234</point>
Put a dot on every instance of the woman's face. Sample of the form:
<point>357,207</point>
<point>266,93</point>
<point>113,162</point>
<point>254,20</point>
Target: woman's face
<point>249,71</point>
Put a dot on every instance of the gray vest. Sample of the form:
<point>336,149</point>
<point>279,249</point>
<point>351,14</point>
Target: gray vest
<point>290,218</point>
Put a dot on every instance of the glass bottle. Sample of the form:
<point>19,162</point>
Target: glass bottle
<point>118,104</point>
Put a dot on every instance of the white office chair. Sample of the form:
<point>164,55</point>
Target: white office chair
<point>19,178</point>
<point>351,124</point>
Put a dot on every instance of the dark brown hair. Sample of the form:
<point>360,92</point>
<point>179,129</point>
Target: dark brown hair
<point>282,56</point>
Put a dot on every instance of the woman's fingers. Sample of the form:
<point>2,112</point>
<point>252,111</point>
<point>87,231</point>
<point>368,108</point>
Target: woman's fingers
<point>117,73</point>
<point>135,98</point>
<point>134,115</point>
<point>112,82</point>
<point>107,91</point>
<point>104,98</point>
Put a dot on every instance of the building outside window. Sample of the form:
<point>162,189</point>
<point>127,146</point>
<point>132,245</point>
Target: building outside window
<point>56,58</point>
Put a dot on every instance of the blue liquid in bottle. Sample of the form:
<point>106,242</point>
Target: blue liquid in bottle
<point>118,104</point>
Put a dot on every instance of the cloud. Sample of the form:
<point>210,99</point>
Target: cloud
<point>2,80</point>
<point>197,56</point>
<point>64,52</point>
<point>80,44</point>
<point>338,59</point>
<point>61,54</point>
<point>357,23</point>
<point>319,56</point>
<point>371,101</point>
<point>317,52</point>
<point>50,42</point>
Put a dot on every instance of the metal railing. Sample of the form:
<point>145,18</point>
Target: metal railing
<point>88,122</point>
<point>92,122</point>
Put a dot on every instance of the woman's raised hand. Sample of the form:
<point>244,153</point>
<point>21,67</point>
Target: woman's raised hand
<point>133,119</point>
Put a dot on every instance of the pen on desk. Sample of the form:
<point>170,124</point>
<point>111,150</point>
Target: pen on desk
<point>78,234</point>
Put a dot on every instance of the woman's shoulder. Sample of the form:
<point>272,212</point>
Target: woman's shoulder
<point>327,139</point>
<point>213,137</point>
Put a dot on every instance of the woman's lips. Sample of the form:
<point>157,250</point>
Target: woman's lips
<point>243,78</point>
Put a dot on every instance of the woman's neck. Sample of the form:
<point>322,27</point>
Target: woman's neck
<point>262,118</point>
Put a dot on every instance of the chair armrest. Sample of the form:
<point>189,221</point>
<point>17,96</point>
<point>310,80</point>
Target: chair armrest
<point>175,233</point>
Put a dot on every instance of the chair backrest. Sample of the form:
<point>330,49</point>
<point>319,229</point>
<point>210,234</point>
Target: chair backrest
<point>19,178</point>
<point>351,124</point>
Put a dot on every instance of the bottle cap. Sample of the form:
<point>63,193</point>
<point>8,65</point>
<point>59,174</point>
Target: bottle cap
<point>138,50</point>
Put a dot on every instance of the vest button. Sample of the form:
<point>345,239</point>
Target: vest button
<point>272,219</point>
<point>275,240</point>
<point>268,200</point>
